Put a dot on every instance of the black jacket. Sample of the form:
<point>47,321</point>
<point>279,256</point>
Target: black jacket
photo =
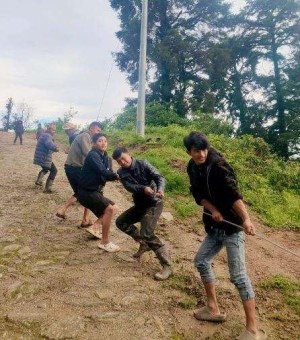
<point>141,174</point>
<point>96,171</point>
<point>215,181</point>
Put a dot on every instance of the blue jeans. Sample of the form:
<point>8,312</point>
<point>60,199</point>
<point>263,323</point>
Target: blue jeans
<point>235,248</point>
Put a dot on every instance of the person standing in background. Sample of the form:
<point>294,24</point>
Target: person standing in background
<point>19,130</point>
<point>39,131</point>
<point>43,157</point>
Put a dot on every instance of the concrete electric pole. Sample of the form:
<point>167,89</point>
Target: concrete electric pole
<point>140,121</point>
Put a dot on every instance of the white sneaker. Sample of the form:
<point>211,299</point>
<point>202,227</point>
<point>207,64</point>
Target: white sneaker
<point>109,247</point>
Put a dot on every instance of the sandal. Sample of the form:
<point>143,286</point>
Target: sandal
<point>82,225</point>
<point>204,314</point>
<point>93,232</point>
<point>61,216</point>
<point>109,247</point>
<point>246,335</point>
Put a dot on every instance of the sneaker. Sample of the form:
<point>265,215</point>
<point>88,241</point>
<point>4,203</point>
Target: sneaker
<point>109,247</point>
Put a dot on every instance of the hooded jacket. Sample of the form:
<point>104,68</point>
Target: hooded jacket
<point>216,182</point>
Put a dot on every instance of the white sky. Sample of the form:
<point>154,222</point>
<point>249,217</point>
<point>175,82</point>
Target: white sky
<point>58,53</point>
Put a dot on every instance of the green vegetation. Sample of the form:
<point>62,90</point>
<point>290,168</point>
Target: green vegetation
<point>289,288</point>
<point>270,186</point>
<point>203,57</point>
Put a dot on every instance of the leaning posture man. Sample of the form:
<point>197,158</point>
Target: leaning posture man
<point>214,186</point>
<point>79,149</point>
<point>147,186</point>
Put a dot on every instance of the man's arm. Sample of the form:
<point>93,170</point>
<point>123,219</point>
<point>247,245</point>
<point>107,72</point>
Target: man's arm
<point>240,208</point>
<point>216,215</point>
<point>157,178</point>
<point>85,144</point>
<point>97,164</point>
<point>129,183</point>
<point>50,145</point>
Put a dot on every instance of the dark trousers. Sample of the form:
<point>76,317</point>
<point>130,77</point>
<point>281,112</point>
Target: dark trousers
<point>18,135</point>
<point>148,217</point>
<point>73,174</point>
<point>52,169</point>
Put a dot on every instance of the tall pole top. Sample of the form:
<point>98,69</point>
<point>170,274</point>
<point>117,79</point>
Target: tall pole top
<point>140,122</point>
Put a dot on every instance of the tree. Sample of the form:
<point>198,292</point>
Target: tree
<point>6,119</point>
<point>178,35</point>
<point>273,28</point>
<point>24,112</point>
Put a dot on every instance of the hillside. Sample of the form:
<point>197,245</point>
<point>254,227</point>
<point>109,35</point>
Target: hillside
<point>57,284</point>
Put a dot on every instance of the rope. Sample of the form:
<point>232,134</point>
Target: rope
<point>260,236</point>
<point>104,93</point>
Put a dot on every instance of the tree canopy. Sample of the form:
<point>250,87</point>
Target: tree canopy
<point>203,58</point>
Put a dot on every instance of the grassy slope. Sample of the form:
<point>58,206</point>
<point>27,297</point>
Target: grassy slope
<point>270,186</point>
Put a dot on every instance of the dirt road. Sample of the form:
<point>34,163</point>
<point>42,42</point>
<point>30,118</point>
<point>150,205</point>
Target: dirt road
<point>56,284</point>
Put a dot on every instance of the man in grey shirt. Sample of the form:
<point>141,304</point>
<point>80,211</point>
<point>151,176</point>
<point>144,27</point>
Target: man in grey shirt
<point>79,149</point>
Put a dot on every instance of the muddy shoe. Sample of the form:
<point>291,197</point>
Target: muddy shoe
<point>164,274</point>
<point>246,335</point>
<point>39,180</point>
<point>48,187</point>
<point>142,249</point>
<point>203,314</point>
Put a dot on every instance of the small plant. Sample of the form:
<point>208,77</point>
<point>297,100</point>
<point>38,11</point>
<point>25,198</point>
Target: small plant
<point>187,303</point>
<point>186,207</point>
<point>289,288</point>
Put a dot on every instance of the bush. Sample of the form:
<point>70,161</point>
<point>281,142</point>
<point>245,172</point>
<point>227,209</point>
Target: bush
<point>269,186</point>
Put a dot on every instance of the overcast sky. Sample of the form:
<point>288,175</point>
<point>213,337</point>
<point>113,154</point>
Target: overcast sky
<point>58,53</point>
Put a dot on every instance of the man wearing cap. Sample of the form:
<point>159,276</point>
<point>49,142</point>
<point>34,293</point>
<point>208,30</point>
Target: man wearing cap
<point>79,149</point>
<point>71,130</point>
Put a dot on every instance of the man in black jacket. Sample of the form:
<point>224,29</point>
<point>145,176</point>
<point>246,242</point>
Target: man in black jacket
<point>214,186</point>
<point>147,186</point>
<point>96,171</point>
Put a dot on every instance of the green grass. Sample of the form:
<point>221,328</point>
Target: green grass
<point>270,187</point>
<point>288,288</point>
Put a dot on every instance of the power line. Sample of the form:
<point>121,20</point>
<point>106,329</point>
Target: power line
<point>105,89</point>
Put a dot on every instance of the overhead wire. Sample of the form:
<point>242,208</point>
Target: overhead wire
<point>105,89</point>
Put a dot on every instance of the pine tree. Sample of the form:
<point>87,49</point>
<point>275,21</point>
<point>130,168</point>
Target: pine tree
<point>272,27</point>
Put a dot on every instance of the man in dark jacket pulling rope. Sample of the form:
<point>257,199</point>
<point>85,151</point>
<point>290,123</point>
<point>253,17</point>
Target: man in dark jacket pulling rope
<point>214,186</point>
<point>147,186</point>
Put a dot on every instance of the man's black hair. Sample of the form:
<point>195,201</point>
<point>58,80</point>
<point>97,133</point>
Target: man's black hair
<point>118,152</point>
<point>96,136</point>
<point>95,124</point>
<point>197,140</point>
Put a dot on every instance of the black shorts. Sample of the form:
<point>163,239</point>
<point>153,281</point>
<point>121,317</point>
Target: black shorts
<point>94,201</point>
<point>73,175</point>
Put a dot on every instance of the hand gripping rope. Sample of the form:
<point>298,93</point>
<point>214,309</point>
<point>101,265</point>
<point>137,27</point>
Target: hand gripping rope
<point>260,236</point>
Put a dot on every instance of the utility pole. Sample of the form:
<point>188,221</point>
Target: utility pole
<point>140,121</point>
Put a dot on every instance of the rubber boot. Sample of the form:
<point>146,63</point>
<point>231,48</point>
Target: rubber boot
<point>165,261</point>
<point>142,249</point>
<point>39,180</point>
<point>48,186</point>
